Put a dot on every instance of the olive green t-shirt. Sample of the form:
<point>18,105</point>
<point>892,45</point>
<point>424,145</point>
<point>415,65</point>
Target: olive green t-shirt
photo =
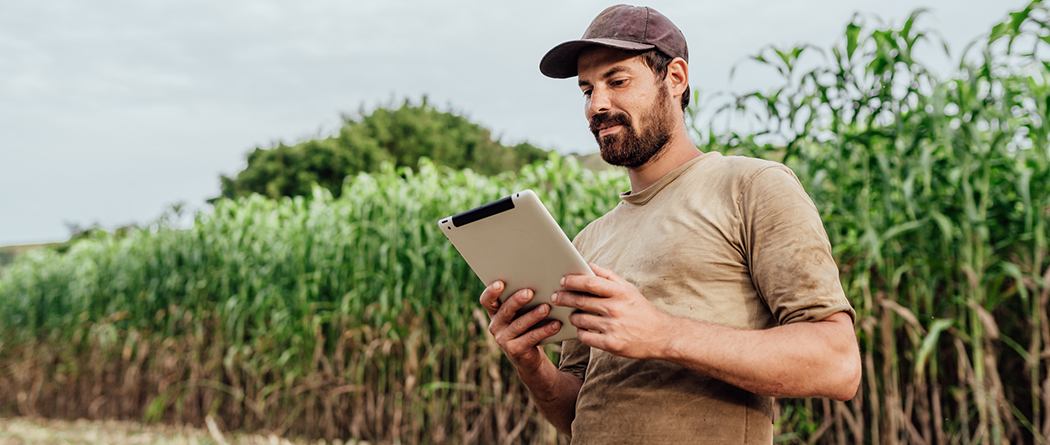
<point>732,241</point>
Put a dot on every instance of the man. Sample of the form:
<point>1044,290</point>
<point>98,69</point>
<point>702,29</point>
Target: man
<point>716,289</point>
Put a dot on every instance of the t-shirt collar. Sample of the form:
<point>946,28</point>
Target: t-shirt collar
<point>648,193</point>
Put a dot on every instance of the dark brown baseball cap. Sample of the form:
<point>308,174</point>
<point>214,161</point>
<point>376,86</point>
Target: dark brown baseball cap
<point>633,28</point>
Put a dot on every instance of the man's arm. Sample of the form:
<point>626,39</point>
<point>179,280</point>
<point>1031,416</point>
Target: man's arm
<point>802,359</point>
<point>553,391</point>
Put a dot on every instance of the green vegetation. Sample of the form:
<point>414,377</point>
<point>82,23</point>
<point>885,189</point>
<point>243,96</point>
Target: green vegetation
<point>936,196</point>
<point>400,135</point>
<point>9,253</point>
<point>349,315</point>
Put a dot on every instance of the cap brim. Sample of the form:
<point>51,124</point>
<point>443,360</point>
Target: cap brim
<point>560,62</point>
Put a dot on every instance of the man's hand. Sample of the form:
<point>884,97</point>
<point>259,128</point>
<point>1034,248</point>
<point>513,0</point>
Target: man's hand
<point>553,391</point>
<point>614,316</point>
<point>823,360</point>
<point>518,337</point>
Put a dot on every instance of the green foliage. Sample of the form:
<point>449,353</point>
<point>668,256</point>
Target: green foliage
<point>348,312</point>
<point>268,307</point>
<point>6,256</point>
<point>401,135</point>
<point>936,197</point>
<point>384,223</point>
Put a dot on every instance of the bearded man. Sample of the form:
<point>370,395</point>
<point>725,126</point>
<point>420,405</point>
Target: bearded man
<point>715,286</point>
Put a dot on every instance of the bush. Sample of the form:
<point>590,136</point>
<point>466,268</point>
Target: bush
<point>402,136</point>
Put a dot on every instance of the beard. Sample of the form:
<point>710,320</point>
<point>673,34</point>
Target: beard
<point>627,148</point>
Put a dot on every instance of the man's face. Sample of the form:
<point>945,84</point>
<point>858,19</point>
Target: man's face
<point>629,110</point>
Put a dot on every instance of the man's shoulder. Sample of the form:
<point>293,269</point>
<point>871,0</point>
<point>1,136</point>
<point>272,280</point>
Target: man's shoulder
<point>728,176</point>
<point>745,166</point>
<point>733,175</point>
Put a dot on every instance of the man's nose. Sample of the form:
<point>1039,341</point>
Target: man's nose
<point>598,102</point>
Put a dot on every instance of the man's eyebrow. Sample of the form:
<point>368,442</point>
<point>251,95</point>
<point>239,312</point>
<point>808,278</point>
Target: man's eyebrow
<point>612,71</point>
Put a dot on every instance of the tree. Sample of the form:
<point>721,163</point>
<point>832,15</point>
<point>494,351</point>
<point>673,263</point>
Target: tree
<point>400,135</point>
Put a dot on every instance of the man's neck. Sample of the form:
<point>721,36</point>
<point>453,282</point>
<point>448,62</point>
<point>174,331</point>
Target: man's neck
<point>678,151</point>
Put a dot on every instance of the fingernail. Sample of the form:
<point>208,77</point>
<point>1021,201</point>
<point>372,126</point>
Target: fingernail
<point>554,297</point>
<point>544,309</point>
<point>561,282</point>
<point>556,325</point>
<point>527,294</point>
<point>497,285</point>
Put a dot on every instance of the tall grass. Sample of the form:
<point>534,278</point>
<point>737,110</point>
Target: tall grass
<point>354,317</point>
<point>323,317</point>
<point>936,196</point>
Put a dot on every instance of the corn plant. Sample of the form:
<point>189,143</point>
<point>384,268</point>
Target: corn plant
<point>322,317</point>
<point>936,196</point>
<point>353,317</point>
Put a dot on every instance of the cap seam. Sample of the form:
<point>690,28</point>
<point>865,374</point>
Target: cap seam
<point>614,20</point>
<point>645,32</point>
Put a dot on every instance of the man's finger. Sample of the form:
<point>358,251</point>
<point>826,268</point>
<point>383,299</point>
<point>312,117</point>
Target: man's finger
<point>509,308</point>
<point>592,339</point>
<point>583,302</point>
<point>516,336</point>
<point>607,274</point>
<point>597,286</point>
<point>587,321</point>
<point>490,297</point>
<point>534,336</point>
<point>527,320</point>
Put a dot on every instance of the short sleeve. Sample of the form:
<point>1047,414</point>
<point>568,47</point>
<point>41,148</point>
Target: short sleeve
<point>788,251</point>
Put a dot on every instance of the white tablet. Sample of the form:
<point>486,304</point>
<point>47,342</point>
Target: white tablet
<point>516,240</point>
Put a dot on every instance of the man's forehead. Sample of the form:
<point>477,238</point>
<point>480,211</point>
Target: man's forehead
<point>606,61</point>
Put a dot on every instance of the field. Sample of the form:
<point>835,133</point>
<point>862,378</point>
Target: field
<point>8,253</point>
<point>24,431</point>
<point>352,317</point>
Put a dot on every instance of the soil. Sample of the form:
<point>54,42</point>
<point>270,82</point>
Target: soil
<point>25,431</point>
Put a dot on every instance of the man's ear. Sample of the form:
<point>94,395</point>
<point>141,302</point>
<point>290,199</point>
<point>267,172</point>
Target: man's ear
<point>677,76</point>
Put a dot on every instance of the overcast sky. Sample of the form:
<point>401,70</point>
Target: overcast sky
<point>112,110</point>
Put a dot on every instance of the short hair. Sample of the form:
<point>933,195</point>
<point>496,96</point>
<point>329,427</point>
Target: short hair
<point>657,61</point>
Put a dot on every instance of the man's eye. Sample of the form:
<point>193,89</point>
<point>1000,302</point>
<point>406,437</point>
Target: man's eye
<point>586,93</point>
<point>617,83</point>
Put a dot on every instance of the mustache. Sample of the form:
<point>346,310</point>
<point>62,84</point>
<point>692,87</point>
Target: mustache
<point>608,119</point>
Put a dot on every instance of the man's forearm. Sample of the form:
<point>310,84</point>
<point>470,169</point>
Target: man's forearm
<point>806,359</point>
<point>519,336</point>
<point>803,359</point>
<point>554,393</point>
